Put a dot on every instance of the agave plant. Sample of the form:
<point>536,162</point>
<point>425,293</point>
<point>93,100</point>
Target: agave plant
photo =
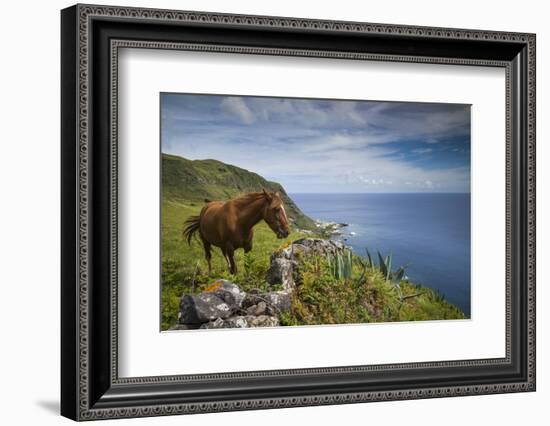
<point>340,264</point>
<point>395,277</point>
<point>384,266</point>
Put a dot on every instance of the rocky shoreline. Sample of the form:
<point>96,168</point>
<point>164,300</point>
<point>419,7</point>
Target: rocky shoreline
<point>327,228</point>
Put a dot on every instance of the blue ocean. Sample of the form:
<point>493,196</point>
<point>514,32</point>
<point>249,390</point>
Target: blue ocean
<point>429,232</point>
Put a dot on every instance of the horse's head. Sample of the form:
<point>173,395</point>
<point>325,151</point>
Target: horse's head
<point>274,214</point>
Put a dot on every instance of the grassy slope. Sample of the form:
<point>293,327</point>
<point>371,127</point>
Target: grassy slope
<point>186,180</point>
<point>319,300</point>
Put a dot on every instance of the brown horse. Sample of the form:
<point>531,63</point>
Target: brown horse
<point>228,225</point>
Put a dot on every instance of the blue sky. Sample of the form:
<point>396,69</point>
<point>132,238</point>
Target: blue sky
<point>325,146</point>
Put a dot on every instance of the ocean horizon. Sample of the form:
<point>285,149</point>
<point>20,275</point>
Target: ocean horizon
<point>428,231</point>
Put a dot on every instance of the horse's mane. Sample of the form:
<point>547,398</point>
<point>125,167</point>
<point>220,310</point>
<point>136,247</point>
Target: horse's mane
<point>248,198</point>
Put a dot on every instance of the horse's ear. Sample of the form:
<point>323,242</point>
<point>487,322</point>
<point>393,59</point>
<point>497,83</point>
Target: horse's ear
<point>278,194</point>
<point>267,194</point>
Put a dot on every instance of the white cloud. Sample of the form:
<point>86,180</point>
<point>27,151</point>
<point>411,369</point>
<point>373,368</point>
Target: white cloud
<point>422,150</point>
<point>237,106</point>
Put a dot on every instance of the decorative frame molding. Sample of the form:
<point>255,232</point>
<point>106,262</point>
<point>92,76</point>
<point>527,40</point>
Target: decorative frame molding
<point>91,388</point>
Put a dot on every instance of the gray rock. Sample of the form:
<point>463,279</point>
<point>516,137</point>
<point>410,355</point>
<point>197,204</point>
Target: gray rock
<point>278,301</point>
<point>281,271</point>
<point>263,321</point>
<point>220,300</point>
<point>319,246</point>
<point>246,321</point>
<point>275,302</point>
<point>258,309</point>
<point>251,309</point>
<point>298,250</point>
<point>227,291</point>
<point>196,309</point>
<point>217,323</point>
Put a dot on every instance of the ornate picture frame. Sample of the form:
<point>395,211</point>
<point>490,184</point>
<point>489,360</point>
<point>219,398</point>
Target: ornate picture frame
<point>91,37</point>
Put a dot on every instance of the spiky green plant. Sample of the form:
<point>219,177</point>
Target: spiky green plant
<point>385,267</point>
<point>340,264</point>
<point>369,257</point>
<point>393,277</point>
<point>348,264</point>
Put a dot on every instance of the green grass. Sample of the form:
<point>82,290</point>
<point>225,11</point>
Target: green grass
<point>322,296</point>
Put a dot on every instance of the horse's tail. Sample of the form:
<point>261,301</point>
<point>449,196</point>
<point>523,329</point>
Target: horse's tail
<point>192,225</point>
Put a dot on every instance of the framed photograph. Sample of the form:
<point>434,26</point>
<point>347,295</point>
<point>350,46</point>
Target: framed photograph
<point>263,212</point>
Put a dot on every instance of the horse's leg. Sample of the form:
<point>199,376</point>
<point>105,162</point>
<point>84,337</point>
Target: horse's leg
<point>208,254</point>
<point>224,252</point>
<point>247,244</point>
<point>229,253</point>
<point>232,263</point>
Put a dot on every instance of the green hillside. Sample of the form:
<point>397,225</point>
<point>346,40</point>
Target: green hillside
<point>186,180</point>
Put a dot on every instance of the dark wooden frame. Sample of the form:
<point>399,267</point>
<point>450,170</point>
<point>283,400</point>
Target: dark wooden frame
<point>91,37</point>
